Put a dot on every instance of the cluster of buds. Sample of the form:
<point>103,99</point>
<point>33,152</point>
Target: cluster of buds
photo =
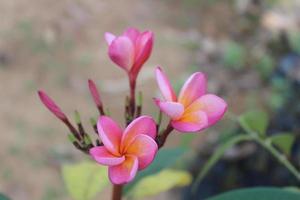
<point>126,151</point>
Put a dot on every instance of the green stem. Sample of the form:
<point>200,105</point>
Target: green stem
<point>279,156</point>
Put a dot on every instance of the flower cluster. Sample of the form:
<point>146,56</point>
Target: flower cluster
<point>126,151</point>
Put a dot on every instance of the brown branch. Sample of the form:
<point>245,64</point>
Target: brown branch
<point>117,192</point>
<point>161,139</point>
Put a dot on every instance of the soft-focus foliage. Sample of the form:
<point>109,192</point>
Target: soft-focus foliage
<point>260,194</point>
<point>160,182</point>
<point>218,153</point>
<point>256,121</point>
<point>84,180</point>
<point>284,141</point>
<point>3,197</point>
<point>165,158</point>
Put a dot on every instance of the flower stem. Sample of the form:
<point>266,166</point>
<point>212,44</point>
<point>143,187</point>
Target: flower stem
<point>132,84</point>
<point>279,156</point>
<point>161,139</point>
<point>117,192</point>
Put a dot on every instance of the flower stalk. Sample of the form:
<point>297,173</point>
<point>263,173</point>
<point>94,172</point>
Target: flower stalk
<point>117,192</point>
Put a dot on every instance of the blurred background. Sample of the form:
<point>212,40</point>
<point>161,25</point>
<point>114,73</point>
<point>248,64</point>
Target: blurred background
<point>248,48</point>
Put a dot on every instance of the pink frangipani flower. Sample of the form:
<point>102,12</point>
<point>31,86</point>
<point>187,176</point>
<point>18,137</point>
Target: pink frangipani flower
<point>125,152</point>
<point>130,50</point>
<point>50,104</point>
<point>193,110</point>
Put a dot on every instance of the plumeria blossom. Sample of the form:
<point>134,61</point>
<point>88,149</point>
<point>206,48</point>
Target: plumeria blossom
<point>193,110</point>
<point>125,152</point>
<point>130,50</point>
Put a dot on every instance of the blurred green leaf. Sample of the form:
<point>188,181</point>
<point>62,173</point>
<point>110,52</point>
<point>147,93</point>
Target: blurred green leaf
<point>234,55</point>
<point>160,182</point>
<point>256,121</point>
<point>84,180</point>
<point>294,39</point>
<point>165,158</point>
<point>265,66</point>
<point>277,100</point>
<point>283,141</point>
<point>3,197</point>
<point>259,193</point>
<point>186,139</point>
<point>218,153</point>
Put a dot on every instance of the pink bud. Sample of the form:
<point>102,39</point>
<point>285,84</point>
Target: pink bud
<point>130,50</point>
<point>95,94</point>
<point>50,104</point>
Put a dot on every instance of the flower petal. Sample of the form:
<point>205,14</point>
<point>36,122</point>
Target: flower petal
<point>173,109</point>
<point>143,48</point>
<point>132,33</point>
<point>109,37</point>
<point>104,157</point>
<point>145,148</point>
<point>193,88</point>
<point>121,52</point>
<point>164,85</point>
<point>125,172</point>
<point>191,122</point>
<point>142,125</point>
<point>110,134</point>
<point>212,105</point>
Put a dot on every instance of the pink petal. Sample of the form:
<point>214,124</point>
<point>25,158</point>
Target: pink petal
<point>121,52</point>
<point>104,157</point>
<point>143,49</point>
<point>124,172</point>
<point>212,105</point>
<point>95,94</point>
<point>191,122</point>
<point>145,148</point>
<point>110,134</point>
<point>50,104</point>
<point>142,125</point>
<point>164,85</point>
<point>193,88</point>
<point>109,38</point>
<point>132,33</point>
<point>173,109</point>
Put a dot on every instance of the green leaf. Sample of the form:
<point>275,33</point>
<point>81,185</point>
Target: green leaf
<point>234,56</point>
<point>294,39</point>
<point>84,180</point>
<point>259,193</point>
<point>265,66</point>
<point>283,141</point>
<point>218,153</point>
<point>3,197</point>
<point>255,121</point>
<point>160,182</point>
<point>164,159</point>
<point>187,139</point>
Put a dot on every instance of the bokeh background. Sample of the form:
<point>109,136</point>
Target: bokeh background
<point>242,45</point>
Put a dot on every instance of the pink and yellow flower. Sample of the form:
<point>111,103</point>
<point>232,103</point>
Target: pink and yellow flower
<point>125,152</point>
<point>130,50</point>
<point>193,110</point>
